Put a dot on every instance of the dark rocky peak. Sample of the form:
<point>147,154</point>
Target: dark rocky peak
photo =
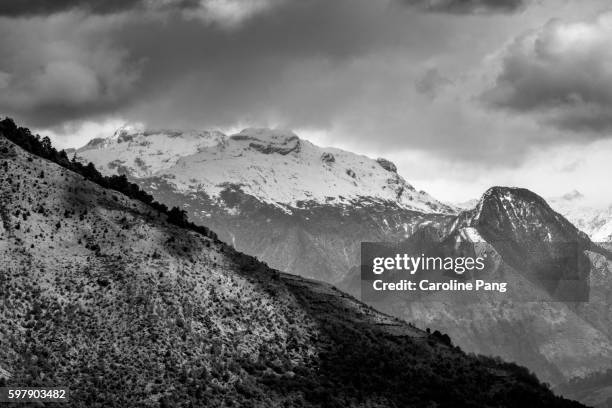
<point>507,213</point>
<point>532,238</point>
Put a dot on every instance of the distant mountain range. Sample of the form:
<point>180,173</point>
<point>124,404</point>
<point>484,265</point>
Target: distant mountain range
<point>108,295</point>
<point>306,209</point>
<point>595,221</point>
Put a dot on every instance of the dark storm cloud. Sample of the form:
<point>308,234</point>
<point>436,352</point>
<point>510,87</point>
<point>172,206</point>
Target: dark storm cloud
<point>289,61</point>
<point>15,8</point>
<point>360,69</point>
<point>62,68</point>
<point>286,63</point>
<point>18,8</point>
<point>468,6</point>
<point>559,74</point>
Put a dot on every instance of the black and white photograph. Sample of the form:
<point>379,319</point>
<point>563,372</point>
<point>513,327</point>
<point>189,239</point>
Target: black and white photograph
<point>306,203</point>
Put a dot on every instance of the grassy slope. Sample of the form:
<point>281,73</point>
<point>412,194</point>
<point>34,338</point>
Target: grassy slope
<point>102,295</point>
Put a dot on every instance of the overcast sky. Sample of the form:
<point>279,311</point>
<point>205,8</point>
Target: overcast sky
<point>461,94</point>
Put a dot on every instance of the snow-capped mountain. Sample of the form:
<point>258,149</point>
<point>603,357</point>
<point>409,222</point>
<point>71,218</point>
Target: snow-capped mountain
<point>595,221</point>
<point>275,167</point>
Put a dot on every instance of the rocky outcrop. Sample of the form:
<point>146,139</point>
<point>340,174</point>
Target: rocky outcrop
<point>328,158</point>
<point>269,141</point>
<point>387,165</point>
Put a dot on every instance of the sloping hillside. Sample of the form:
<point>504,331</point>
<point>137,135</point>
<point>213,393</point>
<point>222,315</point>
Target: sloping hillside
<point>102,294</point>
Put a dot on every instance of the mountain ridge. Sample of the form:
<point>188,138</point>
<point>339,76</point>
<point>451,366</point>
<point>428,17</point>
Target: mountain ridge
<point>337,177</point>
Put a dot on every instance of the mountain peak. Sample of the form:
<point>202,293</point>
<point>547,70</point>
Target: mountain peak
<point>509,213</point>
<point>504,200</point>
<point>127,130</point>
<point>499,192</point>
<point>508,198</point>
